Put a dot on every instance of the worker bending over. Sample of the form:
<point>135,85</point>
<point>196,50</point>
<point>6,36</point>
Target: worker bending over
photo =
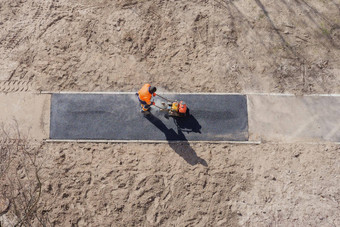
<point>144,96</point>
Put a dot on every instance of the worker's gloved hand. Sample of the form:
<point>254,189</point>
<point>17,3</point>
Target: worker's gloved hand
<point>154,94</point>
<point>153,103</point>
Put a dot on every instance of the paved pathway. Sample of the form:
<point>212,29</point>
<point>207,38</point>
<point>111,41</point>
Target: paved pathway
<point>276,118</point>
<point>30,112</point>
<point>118,117</point>
<point>294,118</point>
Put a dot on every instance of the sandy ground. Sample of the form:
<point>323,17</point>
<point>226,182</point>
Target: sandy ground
<point>191,185</point>
<point>179,46</point>
<point>218,46</point>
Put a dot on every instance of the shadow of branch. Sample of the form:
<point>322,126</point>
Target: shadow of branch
<point>276,30</point>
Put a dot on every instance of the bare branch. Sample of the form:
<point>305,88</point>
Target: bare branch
<point>19,170</point>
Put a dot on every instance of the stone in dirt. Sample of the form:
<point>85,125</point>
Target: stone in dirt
<point>4,205</point>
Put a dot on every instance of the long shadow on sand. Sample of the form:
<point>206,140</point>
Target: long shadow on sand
<point>177,141</point>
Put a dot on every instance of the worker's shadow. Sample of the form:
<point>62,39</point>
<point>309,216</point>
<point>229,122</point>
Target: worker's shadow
<point>183,147</point>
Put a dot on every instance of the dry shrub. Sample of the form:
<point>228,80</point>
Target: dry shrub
<point>20,180</point>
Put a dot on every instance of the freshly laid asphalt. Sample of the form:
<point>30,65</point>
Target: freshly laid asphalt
<point>118,117</point>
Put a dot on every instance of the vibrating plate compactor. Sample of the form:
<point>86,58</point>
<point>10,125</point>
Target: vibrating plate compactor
<point>173,108</point>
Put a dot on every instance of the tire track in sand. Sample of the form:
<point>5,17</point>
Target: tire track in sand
<point>8,86</point>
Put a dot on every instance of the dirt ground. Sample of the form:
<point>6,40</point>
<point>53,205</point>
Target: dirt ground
<point>201,46</point>
<point>245,46</point>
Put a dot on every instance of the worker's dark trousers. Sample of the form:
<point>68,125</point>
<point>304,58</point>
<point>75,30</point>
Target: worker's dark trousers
<point>145,107</point>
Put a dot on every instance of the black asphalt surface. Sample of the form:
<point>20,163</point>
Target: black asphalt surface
<point>118,117</point>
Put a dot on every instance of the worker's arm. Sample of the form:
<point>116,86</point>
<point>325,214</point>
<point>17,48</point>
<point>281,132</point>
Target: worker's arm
<point>151,103</point>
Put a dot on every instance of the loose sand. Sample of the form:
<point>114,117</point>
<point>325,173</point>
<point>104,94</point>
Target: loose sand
<point>179,46</point>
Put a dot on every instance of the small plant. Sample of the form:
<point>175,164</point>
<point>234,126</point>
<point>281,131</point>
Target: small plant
<point>325,31</point>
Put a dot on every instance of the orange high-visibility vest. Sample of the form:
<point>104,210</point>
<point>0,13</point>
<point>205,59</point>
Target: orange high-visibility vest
<point>144,94</point>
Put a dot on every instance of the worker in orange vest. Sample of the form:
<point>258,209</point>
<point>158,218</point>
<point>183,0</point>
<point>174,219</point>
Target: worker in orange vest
<point>144,96</point>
